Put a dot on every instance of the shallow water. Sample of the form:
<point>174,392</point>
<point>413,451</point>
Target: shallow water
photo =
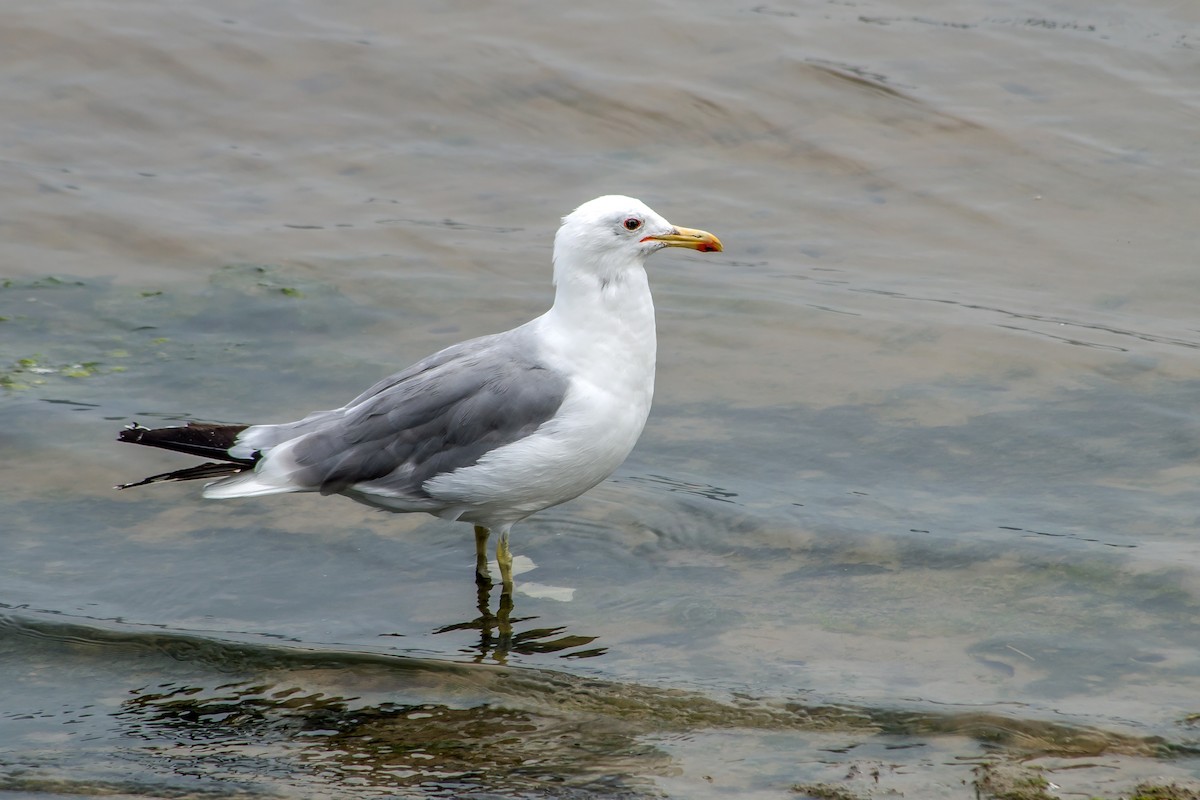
<point>919,488</point>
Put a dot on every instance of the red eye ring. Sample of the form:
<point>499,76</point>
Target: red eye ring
<point>632,224</point>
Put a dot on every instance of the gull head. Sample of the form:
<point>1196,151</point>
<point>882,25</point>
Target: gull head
<point>611,234</point>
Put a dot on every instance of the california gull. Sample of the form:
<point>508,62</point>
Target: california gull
<point>490,430</point>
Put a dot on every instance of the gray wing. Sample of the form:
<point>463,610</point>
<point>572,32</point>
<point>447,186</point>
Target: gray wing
<point>439,415</point>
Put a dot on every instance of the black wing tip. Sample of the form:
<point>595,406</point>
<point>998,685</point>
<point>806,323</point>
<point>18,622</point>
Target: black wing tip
<point>132,433</point>
<point>210,470</point>
<point>203,439</point>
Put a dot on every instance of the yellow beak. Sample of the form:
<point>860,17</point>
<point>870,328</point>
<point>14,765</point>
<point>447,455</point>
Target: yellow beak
<point>690,238</point>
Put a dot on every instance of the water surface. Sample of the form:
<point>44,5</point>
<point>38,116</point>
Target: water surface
<point>918,492</point>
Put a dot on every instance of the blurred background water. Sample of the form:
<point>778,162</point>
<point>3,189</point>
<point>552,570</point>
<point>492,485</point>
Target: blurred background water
<point>918,494</point>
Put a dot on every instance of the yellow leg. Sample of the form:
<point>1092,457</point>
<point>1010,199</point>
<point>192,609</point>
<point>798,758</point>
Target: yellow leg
<point>504,559</point>
<point>481,568</point>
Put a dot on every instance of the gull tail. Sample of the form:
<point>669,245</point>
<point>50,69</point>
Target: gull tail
<point>197,439</point>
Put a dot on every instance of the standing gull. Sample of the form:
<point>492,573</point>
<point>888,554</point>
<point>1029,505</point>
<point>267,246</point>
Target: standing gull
<point>490,430</point>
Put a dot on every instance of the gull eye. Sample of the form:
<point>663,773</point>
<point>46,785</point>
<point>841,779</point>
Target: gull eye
<point>632,224</point>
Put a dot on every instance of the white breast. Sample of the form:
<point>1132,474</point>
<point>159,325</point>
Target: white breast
<point>606,346</point>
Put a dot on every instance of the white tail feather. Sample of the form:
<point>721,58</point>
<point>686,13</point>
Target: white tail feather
<point>272,475</point>
<point>247,485</point>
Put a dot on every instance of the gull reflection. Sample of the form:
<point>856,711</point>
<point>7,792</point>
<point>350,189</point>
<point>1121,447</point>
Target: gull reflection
<point>501,633</point>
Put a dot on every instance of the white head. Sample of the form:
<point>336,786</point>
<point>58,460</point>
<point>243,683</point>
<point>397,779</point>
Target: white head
<point>612,234</point>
